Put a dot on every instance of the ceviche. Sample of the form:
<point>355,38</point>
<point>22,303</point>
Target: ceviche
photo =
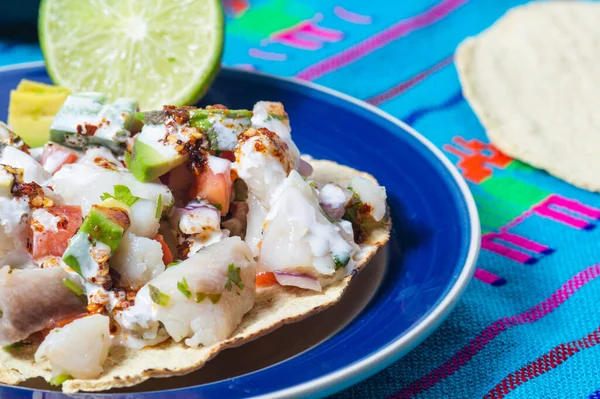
<point>169,230</point>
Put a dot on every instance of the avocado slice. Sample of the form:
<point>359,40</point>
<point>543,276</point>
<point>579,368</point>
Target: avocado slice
<point>32,108</point>
<point>149,162</point>
<point>86,119</point>
<point>99,236</point>
<point>152,156</point>
<point>41,88</point>
<point>7,180</point>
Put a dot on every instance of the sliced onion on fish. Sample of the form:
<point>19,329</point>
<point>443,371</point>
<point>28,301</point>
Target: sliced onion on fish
<point>34,299</point>
<point>305,168</point>
<point>298,280</point>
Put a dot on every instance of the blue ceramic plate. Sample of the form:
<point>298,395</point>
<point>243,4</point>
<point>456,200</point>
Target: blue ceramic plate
<point>430,257</point>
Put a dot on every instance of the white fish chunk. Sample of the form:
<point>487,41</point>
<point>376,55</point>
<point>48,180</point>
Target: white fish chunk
<point>138,260</point>
<point>263,161</point>
<point>32,169</point>
<point>84,183</point>
<point>372,194</point>
<point>79,349</point>
<point>202,299</point>
<point>299,238</point>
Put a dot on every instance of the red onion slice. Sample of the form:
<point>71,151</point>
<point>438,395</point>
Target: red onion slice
<point>336,212</point>
<point>164,179</point>
<point>305,169</point>
<point>298,280</point>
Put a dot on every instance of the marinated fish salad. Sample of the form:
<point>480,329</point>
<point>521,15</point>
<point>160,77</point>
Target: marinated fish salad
<point>131,228</point>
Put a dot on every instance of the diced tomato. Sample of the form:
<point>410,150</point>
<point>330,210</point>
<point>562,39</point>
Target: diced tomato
<point>215,188</point>
<point>264,279</point>
<point>46,241</point>
<point>229,155</point>
<point>167,255</point>
<point>179,180</point>
<point>55,156</point>
<point>62,323</point>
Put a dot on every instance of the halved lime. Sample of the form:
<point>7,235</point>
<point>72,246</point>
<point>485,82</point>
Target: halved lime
<point>158,52</point>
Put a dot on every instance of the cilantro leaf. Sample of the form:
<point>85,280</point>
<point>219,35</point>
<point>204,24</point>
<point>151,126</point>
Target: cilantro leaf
<point>173,264</point>
<point>233,276</point>
<point>16,346</point>
<point>218,206</point>
<point>183,287</point>
<point>59,379</point>
<point>159,206</point>
<point>214,298</point>
<point>279,117</point>
<point>341,261</point>
<point>73,287</point>
<point>158,297</point>
<point>329,218</point>
<point>121,193</point>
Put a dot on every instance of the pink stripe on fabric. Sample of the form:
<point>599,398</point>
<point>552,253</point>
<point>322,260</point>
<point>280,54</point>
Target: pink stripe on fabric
<point>464,355</point>
<point>547,362</point>
<point>266,55</point>
<point>351,17</point>
<point>488,277</point>
<point>380,39</point>
<point>407,84</point>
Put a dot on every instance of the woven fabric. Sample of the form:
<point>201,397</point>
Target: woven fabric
<point>526,326</point>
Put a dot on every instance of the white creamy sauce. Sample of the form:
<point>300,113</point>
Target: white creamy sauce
<point>226,129</point>
<point>199,226</point>
<point>93,153</point>
<point>97,294</point>
<point>152,135</point>
<point>334,195</point>
<point>219,165</point>
<point>32,170</point>
<point>13,230</point>
<point>47,220</point>
<point>118,115</point>
<point>261,118</point>
<point>261,171</point>
<point>77,110</point>
<point>83,184</point>
<point>90,108</point>
<point>81,248</point>
<point>198,220</point>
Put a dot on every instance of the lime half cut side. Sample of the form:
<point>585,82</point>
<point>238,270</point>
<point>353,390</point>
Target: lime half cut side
<point>156,51</point>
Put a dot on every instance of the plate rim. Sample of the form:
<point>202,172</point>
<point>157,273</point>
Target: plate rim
<point>366,367</point>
